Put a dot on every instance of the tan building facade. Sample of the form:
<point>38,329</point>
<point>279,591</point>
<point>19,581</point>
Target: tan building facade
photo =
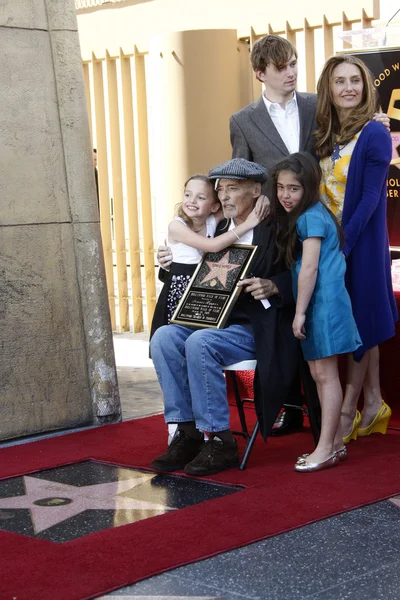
<point>183,68</point>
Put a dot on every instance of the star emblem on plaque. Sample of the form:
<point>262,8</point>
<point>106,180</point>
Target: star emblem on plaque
<point>212,291</point>
<point>219,271</point>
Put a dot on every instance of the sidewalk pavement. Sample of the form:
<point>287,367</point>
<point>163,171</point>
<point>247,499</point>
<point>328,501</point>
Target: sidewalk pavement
<point>139,389</point>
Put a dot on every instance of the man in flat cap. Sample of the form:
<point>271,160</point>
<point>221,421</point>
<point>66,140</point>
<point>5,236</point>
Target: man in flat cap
<point>189,361</point>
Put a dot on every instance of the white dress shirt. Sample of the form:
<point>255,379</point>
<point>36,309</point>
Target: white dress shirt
<point>247,238</point>
<point>286,121</point>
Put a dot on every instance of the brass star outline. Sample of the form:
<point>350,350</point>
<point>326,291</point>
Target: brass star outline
<point>219,269</point>
<point>102,496</point>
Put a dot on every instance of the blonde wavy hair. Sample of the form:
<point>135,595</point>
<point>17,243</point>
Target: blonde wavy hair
<point>329,125</point>
<point>179,212</point>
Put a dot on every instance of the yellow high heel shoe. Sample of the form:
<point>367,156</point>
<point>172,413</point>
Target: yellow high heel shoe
<point>354,430</point>
<point>380,423</point>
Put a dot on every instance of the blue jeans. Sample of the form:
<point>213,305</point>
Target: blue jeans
<point>188,364</point>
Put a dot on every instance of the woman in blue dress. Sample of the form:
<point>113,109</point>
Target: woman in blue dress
<point>310,240</point>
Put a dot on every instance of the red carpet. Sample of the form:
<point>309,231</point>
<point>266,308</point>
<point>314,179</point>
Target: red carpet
<point>276,499</point>
<point>389,366</point>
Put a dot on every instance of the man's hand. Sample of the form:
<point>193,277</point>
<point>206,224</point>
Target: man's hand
<point>164,256</point>
<point>382,118</point>
<point>299,330</point>
<point>259,288</point>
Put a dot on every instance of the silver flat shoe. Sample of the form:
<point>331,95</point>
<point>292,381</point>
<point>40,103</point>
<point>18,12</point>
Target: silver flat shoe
<point>302,466</point>
<point>342,453</point>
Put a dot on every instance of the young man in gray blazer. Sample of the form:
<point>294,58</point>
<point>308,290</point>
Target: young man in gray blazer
<point>282,120</point>
<point>279,123</point>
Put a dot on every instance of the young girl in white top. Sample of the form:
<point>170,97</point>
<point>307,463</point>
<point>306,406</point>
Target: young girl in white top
<point>190,234</point>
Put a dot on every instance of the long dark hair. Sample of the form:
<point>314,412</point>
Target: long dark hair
<point>308,173</point>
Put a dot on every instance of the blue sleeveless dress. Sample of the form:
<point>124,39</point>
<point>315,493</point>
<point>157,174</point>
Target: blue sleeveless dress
<point>330,326</point>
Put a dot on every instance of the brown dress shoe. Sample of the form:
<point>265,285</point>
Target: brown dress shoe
<point>181,450</point>
<point>215,456</point>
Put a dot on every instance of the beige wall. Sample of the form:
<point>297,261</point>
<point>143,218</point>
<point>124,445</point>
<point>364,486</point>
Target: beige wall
<point>114,25</point>
<point>197,72</point>
<point>190,125</point>
<point>57,365</point>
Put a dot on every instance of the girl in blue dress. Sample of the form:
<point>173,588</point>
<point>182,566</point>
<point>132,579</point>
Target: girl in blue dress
<point>310,240</point>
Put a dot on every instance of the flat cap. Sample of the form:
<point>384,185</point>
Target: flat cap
<point>239,168</point>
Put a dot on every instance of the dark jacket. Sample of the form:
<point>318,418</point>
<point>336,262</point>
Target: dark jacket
<point>277,350</point>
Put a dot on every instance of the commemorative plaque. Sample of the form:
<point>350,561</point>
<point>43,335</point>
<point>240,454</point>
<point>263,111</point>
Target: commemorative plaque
<point>212,291</point>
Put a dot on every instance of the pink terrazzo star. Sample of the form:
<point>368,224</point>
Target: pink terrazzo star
<point>220,269</point>
<point>103,496</point>
<point>395,500</point>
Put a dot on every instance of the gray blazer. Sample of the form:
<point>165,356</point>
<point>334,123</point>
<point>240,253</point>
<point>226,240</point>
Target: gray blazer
<point>255,137</point>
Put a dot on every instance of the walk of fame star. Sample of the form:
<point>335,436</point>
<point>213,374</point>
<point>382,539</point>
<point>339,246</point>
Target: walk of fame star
<point>51,502</point>
<point>219,270</point>
<point>395,500</point>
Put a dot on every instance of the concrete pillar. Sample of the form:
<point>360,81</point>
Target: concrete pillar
<point>57,366</point>
<point>197,76</point>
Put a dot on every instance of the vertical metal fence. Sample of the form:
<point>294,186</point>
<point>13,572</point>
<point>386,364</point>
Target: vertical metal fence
<point>117,106</point>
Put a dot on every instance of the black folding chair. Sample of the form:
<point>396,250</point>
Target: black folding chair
<point>312,408</point>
